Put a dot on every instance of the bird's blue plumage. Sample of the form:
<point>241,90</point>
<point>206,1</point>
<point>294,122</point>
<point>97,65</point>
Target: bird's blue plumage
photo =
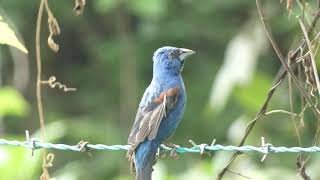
<point>160,110</point>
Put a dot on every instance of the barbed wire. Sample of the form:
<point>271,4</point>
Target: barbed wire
<point>200,148</point>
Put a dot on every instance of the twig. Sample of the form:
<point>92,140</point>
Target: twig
<point>302,168</point>
<point>291,104</point>
<point>281,111</point>
<point>50,15</point>
<point>239,174</point>
<point>313,62</point>
<point>45,174</point>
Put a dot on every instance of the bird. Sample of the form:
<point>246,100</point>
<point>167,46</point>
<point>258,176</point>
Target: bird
<point>160,110</point>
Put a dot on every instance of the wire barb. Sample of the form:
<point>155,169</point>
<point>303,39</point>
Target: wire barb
<point>82,145</point>
<point>213,142</point>
<point>202,148</point>
<point>192,143</point>
<point>265,148</point>
<point>31,143</point>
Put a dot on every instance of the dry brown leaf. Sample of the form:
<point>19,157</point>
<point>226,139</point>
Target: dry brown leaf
<point>79,7</point>
<point>53,26</point>
<point>54,46</point>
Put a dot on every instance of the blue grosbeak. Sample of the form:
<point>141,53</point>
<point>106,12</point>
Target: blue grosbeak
<point>160,110</point>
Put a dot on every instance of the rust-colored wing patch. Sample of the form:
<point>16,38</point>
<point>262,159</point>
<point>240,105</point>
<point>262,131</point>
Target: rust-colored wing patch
<point>169,93</point>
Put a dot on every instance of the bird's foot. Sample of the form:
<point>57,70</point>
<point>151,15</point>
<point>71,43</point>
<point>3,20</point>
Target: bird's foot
<point>160,154</point>
<point>173,152</point>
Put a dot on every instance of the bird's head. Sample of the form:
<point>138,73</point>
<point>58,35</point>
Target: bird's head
<point>170,60</point>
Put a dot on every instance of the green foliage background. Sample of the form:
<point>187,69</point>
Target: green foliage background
<point>106,54</point>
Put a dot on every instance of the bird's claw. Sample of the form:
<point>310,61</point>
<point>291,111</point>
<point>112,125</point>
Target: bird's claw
<point>173,152</point>
<point>160,154</point>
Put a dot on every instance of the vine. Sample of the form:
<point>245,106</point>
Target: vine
<point>54,29</point>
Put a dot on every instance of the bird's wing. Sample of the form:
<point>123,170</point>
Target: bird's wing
<point>149,117</point>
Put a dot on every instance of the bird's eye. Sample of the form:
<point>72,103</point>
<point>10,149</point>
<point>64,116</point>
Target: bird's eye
<point>172,54</point>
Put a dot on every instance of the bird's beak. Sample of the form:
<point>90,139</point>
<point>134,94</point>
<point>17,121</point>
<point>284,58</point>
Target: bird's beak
<point>184,53</point>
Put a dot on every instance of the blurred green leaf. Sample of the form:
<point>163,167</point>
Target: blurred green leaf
<point>104,6</point>
<point>12,102</point>
<point>13,159</point>
<point>8,36</point>
<point>148,9</point>
<point>253,95</point>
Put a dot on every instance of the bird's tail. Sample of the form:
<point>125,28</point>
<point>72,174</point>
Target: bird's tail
<point>145,159</point>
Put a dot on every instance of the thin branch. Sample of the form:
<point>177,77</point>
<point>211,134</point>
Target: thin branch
<point>281,111</point>
<point>291,106</point>
<point>313,62</point>
<point>48,10</point>
<point>45,174</point>
<point>38,59</point>
<point>239,174</point>
<point>302,168</point>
